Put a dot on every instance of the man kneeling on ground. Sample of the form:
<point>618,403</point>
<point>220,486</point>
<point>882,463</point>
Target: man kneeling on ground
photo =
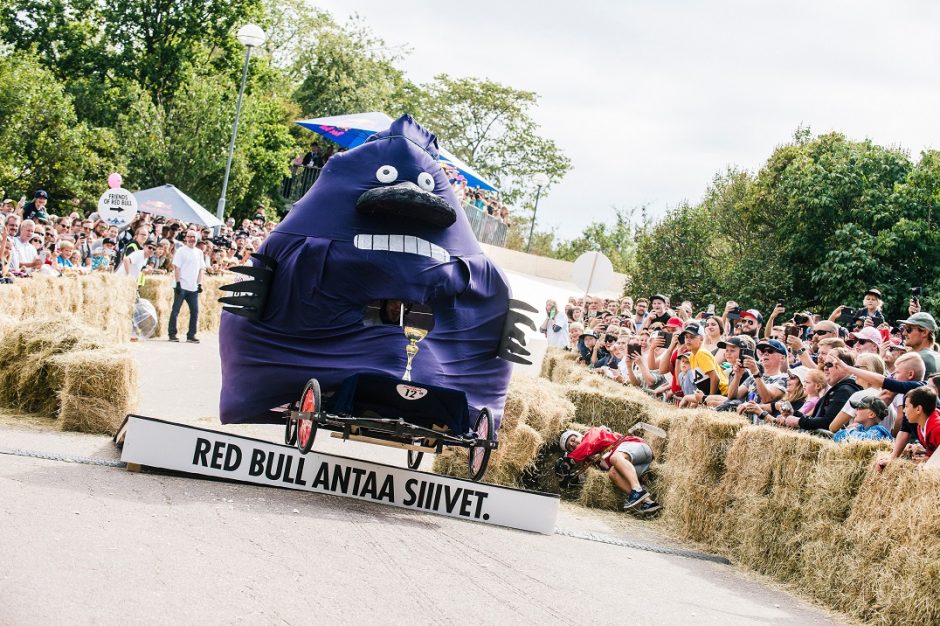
<point>625,459</point>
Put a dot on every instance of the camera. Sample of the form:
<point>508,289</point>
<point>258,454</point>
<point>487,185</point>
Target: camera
<point>734,314</point>
<point>800,320</point>
<point>915,294</point>
<point>745,353</point>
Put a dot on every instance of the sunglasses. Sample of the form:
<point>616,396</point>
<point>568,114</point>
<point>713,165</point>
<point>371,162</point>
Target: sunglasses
<point>827,366</point>
<point>822,332</point>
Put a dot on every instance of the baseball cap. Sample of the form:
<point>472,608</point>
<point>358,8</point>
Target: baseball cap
<point>922,319</point>
<point>755,315</point>
<point>40,193</point>
<point>801,373</point>
<point>108,240</point>
<point>588,333</point>
<point>869,334</point>
<point>772,344</point>
<point>873,403</point>
<point>675,322</point>
<point>660,296</point>
<point>875,292</point>
<point>694,328</point>
<point>259,216</point>
<point>740,341</point>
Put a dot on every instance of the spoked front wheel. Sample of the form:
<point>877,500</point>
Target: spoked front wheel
<point>307,418</point>
<point>479,456</point>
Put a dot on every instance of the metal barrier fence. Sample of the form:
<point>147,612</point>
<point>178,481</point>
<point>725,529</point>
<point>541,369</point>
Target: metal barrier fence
<point>488,229</point>
<point>296,185</point>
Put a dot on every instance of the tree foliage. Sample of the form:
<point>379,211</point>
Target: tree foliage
<point>820,222</point>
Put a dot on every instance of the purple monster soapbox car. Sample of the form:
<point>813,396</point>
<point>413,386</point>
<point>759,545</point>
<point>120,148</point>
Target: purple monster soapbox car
<point>376,258</point>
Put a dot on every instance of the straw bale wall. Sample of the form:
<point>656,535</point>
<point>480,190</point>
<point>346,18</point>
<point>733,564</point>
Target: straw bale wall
<point>813,514</point>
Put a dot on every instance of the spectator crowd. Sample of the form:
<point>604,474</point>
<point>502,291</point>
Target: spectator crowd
<point>37,241</point>
<point>852,375</point>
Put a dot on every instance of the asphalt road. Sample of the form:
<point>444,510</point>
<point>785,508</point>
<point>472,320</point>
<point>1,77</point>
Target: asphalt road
<point>92,544</point>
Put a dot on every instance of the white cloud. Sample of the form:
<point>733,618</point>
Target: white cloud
<point>651,99</point>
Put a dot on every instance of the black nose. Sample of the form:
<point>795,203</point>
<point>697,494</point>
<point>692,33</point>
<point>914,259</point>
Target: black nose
<point>407,201</point>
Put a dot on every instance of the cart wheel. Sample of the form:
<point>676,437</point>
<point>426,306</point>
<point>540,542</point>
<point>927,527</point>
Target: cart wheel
<point>479,457</point>
<point>290,430</point>
<point>307,426</point>
<point>414,459</point>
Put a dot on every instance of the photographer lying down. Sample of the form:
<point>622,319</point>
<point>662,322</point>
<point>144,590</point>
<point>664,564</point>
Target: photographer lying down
<point>625,458</point>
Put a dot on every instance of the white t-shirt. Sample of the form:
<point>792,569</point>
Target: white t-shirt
<point>25,252</point>
<point>189,261</point>
<point>137,262</point>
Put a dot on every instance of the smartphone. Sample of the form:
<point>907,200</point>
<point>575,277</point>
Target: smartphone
<point>667,338</point>
<point>791,331</point>
<point>846,316</point>
<point>746,352</point>
<point>634,348</point>
<point>711,309</point>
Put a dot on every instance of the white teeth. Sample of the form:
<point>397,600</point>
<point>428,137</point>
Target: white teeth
<point>401,243</point>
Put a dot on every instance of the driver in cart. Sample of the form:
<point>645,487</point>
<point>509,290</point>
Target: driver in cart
<point>625,458</point>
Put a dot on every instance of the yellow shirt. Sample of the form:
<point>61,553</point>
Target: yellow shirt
<point>704,361</point>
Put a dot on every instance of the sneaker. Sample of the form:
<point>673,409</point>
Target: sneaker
<point>650,506</point>
<point>176,339</point>
<point>634,498</point>
<point>192,340</point>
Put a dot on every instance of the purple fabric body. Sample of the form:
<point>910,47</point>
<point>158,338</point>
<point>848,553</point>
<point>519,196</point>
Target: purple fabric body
<point>312,325</point>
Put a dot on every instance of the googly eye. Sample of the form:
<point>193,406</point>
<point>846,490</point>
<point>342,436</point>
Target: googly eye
<point>426,181</point>
<point>386,174</point>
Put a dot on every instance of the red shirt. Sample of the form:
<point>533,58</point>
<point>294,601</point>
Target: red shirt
<point>596,440</point>
<point>929,433</point>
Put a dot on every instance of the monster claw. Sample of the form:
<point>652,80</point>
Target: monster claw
<point>511,347</point>
<point>250,295</point>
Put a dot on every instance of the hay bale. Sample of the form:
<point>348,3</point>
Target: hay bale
<point>609,406</point>
<point>99,387</point>
<point>694,464</point>
<point>28,381</point>
<point>890,539</point>
<point>514,454</point>
<point>100,300</point>
<point>598,492</point>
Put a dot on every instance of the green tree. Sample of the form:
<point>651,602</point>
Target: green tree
<point>490,126</point>
<point>184,141</point>
<point>348,69</point>
<point>676,256</point>
<point>43,144</point>
<point>615,240</point>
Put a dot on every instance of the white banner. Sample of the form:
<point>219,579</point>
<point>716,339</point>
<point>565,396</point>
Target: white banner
<point>178,447</point>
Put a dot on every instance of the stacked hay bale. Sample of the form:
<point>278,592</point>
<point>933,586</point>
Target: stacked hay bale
<point>535,412</point>
<point>100,300</point>
<point>885,562</point>
<point>159,290</point>
<point>810,512</point>
<point>57,367</point>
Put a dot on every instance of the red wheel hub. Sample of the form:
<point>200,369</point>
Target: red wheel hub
<point>305,424</point>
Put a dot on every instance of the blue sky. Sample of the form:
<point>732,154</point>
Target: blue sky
<point>651,99</point>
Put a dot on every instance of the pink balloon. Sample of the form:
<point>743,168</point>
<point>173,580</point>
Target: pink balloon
<point>115,180</point>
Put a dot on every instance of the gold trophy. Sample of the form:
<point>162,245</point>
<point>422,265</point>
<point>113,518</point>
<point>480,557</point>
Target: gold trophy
<point>414,335</point>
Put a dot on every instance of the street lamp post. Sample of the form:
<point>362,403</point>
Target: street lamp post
<point>250,35</point>
<point>540,180</point>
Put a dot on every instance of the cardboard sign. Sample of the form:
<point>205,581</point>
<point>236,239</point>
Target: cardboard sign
<point>178,447</point>
<point>117,207</point>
